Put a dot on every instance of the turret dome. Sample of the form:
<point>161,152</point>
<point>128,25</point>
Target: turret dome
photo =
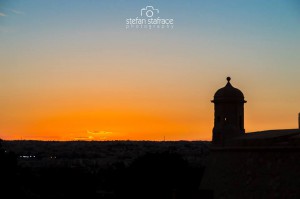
<point>228,94</point>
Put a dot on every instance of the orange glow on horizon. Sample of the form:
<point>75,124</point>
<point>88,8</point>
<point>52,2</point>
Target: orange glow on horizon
<point>117,118</point>
<point>110,125</point>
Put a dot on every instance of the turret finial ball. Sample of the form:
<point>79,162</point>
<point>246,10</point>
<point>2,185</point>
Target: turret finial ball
<point>228,79</point>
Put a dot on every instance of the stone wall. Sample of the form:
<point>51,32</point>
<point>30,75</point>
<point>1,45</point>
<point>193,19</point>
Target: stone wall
<point>253,173</point>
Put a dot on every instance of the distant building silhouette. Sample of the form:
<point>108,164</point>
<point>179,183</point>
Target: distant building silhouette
<point>299,120</point>
<point>229,128</point>
<point>229,113</point>
<point>249,165</point>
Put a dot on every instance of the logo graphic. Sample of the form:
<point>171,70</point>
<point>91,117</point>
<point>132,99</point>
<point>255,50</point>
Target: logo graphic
<point>149,19</point>
<point>149,11</point>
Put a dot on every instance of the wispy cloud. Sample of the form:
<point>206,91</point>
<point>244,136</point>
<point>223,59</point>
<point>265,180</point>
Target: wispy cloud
<point>9,11</point>
<point>93,135</point>
<point>99,132</point>
<point>84,138</point>
<point>17,12</point>
<point>98,135</point>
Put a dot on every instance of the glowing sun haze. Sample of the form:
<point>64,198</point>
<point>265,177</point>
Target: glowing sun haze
<point>70,70</point>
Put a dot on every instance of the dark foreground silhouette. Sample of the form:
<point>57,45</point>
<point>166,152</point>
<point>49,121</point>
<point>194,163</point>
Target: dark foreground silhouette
<point>159,174</point>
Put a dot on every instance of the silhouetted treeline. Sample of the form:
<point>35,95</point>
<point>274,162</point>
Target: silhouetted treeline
<point>108,170</point>
<point>161,175</point>
<point>8,171</point>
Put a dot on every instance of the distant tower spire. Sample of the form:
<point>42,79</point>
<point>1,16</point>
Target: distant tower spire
<point>299,120</point>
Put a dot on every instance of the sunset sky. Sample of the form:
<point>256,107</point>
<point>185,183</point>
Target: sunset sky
<point>70,70</point>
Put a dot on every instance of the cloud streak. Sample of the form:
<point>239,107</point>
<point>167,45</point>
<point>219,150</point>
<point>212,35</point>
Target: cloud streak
<point>99,132</point>
<point>17,12</point>
<point>84,138</point>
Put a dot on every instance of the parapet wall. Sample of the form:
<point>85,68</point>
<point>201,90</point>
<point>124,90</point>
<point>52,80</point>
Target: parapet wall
<point>253,173</point>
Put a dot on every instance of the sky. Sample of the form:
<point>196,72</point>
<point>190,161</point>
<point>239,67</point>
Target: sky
<point>73,70</point>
